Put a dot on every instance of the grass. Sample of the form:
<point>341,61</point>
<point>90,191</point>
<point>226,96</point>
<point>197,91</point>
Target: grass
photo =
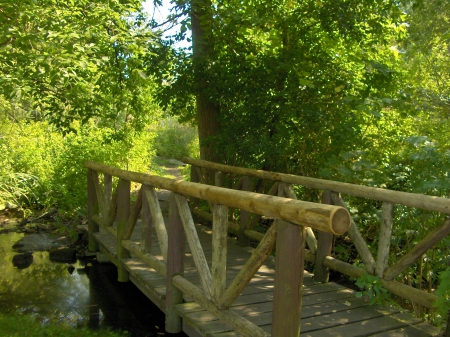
<point>20,325</point>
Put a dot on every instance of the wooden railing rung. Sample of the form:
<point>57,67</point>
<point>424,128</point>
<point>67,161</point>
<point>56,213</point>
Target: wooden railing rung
<point>158,220</point>
<point>249,269</point>
<point>194,243</point>
<point>426,243</point>
<point>132,219</point>
<point>355,235</point>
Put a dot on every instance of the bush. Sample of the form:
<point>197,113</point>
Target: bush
<point>175,140</point>
<point>43,168</point>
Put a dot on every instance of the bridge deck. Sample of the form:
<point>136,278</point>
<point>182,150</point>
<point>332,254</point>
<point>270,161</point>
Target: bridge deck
<point>327,309</point>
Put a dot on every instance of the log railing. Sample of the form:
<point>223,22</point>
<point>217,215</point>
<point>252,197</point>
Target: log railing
<point>288,232</point>
<point>320,248</point>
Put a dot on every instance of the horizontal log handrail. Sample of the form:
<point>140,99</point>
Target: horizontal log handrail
<point>421,201</point>
<point>327,218</point>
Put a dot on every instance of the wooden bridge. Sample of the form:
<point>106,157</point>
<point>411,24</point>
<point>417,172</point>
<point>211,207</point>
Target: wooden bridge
<point>210,284</point>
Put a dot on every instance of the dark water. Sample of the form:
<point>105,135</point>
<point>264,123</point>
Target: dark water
<point>90,296</point>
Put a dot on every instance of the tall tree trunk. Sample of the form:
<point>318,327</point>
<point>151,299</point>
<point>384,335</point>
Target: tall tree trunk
<point>203,54</point>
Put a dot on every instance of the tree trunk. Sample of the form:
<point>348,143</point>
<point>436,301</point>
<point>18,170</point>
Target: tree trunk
<point>203,53</point>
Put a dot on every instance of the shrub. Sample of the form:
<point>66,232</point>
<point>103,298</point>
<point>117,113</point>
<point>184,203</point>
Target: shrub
<point>43,168</point>
<point>176,140</point>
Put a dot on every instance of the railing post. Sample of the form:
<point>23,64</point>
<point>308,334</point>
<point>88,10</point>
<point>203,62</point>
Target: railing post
<point>147,223</point>
<point>92,208</point>
<point>194,178</point>
<point>123,213</point>
<point>384,243</point>
<point>243,240</point>
<point>107,183</point>
<point>175,266</point>
<point>289,269</point>
<point>324,246</point>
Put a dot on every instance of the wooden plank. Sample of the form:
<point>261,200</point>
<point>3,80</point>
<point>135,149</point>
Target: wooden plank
<point>366,327</point>
<point>417,330</point>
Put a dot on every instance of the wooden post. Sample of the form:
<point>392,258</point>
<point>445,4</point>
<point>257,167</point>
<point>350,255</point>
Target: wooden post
<point>147,224</point>
<point>289,269</point>
<point>107,186</point>
<point>218,179</point>
<point>175,266</point>
<point>384,244</point>
<point>123,213</point>
<point>219,253</point>
<point>243,240</point>
<point>194,178</point>
<point>324,246</point>
<point>92,208</point>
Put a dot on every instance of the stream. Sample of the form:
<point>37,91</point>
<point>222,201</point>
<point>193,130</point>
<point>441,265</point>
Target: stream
<point>89,296</point>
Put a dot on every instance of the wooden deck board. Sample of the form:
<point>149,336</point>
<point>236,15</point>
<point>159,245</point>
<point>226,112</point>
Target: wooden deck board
<point>327,309</point>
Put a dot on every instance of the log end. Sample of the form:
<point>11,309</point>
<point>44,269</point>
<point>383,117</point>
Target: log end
<point>340,221</point>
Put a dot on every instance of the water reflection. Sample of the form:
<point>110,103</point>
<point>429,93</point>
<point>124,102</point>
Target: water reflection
<point>90,296</point>
<point>44,289</point>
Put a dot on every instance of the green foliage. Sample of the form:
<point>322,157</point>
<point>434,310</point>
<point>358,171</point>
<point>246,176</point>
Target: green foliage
<point>19,189</point>
<point>18,325</point>
<point>44,169</point>
<point>176,140</point>
<point>442,303</point>
<point>373,289</point>
<point>86,64</point>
